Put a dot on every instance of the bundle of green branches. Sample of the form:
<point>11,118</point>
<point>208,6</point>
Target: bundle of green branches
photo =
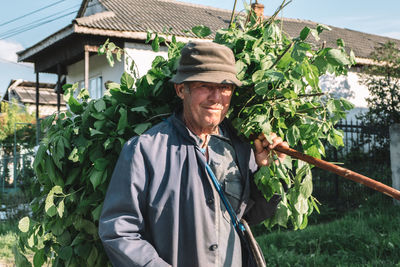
<point>280,94</point>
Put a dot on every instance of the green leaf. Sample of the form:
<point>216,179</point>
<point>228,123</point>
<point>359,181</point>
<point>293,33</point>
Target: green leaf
<point>97,212</point>
<point>274,75</point>
<point>96,178</point>
<point>101,164</point>
<point>300,51</point>
<point>60,208</point>
<point>86,225</point>
<point>306,187</point>
<point>258,76</point>
<point>149,34</point>
<point>321,28</point>
<point>110,58</point>
<point>155,45</point>
<point>64,239</point>
<point>304,33</point>
<point>92,256</point>
<point>20,259</point>
<point>94,132</point>
<point>315,34</point>
<point>75,106</point>
<point>293,135</point>
<point>100,105</point>
<point>49,207</point>
<point>282,214</point>
<point>346,104</point>
<point>241,68</point>
<point>337,57</point>
<point>73,156</point>
<point>201,31</point>
<point>39,155</point>
<point>56,189</point>
<point>65,253</point>
<point>127,81</point>
<point>123,121</point>
<point>38,259</point>
<point>313,151</point>
<point>24,224</point>
<point>340,42</point>
<point>301,205</point>
<point>141,128</point>
<point>261,88</point>
<point>141,109</point>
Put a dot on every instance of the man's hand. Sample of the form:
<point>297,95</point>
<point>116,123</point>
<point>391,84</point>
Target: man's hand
<point>263,149</point>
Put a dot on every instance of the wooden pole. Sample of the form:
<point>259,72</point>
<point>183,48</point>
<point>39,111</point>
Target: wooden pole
<point>346,173</point>
<point>86,49</point>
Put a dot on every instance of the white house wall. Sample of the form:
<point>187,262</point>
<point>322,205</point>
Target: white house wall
<point>143,55</point>
<point>349,88</point>
<point>98,66</point>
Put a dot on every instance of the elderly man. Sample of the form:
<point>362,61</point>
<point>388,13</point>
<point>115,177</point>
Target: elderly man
<point>161,207</point>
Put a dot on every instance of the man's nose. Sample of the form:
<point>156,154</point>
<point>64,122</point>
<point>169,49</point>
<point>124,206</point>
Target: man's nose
<point>215,94</point>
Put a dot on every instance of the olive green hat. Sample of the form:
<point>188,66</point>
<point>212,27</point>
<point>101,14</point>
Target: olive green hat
<point>206,62</point>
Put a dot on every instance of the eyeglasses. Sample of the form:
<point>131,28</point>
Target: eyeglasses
<point>205,87</point>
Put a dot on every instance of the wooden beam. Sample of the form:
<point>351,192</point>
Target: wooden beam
<point>58,87</point>
<point>86,48</point>
<point>37,96</point>
<point>37,109</point>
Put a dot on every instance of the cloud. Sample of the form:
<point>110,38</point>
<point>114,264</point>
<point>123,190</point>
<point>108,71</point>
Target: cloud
<point>8,50</point>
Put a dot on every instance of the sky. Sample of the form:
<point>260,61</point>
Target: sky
<point>24,23</point>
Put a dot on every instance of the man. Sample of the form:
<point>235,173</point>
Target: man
<point>161,208</point>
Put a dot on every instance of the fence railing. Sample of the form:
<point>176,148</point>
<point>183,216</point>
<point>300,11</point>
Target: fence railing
<point>12,169</point>
<point>365,151</point>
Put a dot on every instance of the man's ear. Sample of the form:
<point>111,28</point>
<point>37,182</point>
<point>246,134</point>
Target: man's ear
<point>179,88</point>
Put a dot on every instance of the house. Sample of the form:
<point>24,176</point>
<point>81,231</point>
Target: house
<point>24,92</point>
<point>72,51</point>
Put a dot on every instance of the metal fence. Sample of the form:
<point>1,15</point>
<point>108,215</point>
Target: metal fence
<point>13,169</point>
<point>365,150</point>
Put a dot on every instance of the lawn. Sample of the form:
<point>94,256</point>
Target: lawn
<point>366,236</point>
<point>8,238</point>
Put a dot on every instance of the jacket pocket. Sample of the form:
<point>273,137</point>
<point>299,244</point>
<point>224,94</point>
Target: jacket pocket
<point>233,190</point>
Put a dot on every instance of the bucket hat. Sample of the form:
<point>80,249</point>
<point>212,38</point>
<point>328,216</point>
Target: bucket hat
<point>206,62</point>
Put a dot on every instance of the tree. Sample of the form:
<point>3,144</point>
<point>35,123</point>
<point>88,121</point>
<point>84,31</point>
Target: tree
<point>13,113</point>
<point>383,81</point>
<point>14,119</point>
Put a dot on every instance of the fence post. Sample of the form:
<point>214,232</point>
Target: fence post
<point>394,133</point>
<point>335,158</point>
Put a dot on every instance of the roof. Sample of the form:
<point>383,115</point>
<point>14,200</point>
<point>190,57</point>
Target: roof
<point>25,92</point>
<point>130,19</point>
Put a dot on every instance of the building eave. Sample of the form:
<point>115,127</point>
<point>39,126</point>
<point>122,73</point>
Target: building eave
<point>24,55</point>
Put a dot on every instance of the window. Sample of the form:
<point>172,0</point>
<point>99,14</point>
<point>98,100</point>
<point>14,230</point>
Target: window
<point>95,87</point>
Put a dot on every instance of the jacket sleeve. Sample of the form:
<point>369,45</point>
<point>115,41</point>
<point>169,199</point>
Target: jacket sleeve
<point>259,208</point>
<point>122,224</point>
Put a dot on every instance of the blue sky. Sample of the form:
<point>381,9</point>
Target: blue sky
<point>370,16</point>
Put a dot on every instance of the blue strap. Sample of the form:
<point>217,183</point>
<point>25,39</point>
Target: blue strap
<point>238,226</point>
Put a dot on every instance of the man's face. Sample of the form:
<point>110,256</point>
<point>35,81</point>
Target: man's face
<point>204,104</point>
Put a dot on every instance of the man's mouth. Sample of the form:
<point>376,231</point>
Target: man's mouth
<point>213,108</point>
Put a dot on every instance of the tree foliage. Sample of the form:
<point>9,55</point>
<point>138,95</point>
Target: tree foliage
<point>11,114</point>
<point>281,93</point>
<point>383,81</point>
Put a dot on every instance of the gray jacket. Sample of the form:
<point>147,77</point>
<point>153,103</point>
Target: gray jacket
<point>159,210</point>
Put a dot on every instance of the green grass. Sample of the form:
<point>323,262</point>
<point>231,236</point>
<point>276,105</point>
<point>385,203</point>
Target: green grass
<point>8,238</point>
<point>366,236</point>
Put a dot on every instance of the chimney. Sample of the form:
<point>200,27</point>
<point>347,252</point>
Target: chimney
<point>258,10</point>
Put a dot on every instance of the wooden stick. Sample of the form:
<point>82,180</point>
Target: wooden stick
<point>346,173</point>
